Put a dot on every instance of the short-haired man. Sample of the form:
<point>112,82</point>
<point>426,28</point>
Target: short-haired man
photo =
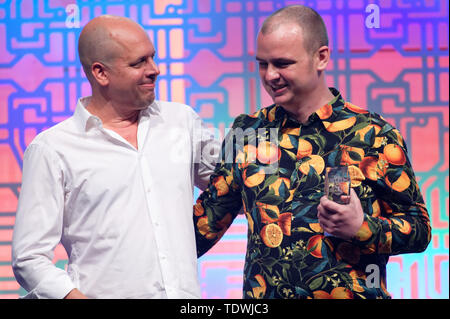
<point>300,243</point>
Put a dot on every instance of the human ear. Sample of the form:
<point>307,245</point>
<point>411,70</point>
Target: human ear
<point>323,57</point>
<point>99,73</point>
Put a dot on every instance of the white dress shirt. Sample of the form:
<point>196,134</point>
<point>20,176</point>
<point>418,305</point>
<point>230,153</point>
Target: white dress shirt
<point>124,215</point>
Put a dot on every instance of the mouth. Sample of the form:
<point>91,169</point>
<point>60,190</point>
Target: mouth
<point>148,86</point>
<point>278,89</point>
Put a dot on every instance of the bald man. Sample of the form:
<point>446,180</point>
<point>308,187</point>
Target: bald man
<point>114,182</point>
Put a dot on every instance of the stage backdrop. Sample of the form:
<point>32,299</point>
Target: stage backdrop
<point>389,56</point>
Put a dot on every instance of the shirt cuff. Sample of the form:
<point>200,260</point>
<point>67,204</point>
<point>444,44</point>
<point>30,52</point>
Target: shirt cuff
<point>373,238</point>
<point>52,288</point>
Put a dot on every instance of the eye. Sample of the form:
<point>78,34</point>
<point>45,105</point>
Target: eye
<point>262,65</point>
<point>138,63</point>
<point>282,64</point>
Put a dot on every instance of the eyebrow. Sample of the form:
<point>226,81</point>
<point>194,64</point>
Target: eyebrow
<point>276,60</point>
<point>144,57</point>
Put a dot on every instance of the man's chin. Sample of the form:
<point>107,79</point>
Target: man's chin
<point>145,103</point>
<point>280,99</point>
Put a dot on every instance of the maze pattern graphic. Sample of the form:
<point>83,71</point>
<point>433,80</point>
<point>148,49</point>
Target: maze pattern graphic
<point>205,50</point>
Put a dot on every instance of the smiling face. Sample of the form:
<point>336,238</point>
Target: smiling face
<point>288,72</point>
<point>133,72</point>
<point>118,58</point>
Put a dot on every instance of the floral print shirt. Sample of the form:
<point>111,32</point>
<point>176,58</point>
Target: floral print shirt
<point>279,182</point>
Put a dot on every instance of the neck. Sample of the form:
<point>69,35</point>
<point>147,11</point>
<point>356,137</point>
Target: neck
<point>112,115</point>
<point>309,104</point>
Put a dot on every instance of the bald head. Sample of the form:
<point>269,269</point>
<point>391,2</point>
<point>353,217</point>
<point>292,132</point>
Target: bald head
<point>311,23</point>
<point>102,40</point>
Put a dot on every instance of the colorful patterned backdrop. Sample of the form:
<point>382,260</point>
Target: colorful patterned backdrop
<point>388,55</point>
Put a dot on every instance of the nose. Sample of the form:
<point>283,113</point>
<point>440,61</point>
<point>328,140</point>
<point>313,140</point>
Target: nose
<point>152,68</point>
<point>271,73</point>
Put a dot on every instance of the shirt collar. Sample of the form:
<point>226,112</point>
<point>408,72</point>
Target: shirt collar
<point>278,114</point>
<point>83,117</point>
<point>88,121</point>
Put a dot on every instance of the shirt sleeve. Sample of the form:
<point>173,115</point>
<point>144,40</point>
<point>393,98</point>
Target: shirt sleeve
<point>396,221</point>
<point>38,226</point>
<point>206,153</point>
<point>218,205</point>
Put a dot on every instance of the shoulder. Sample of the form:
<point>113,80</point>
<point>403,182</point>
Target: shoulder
<point>54,135</point>
<point>366,120</point>
<point>257,119</point>
<point>48,145</point>
<point>363,116</point>
<point>174,110</point>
